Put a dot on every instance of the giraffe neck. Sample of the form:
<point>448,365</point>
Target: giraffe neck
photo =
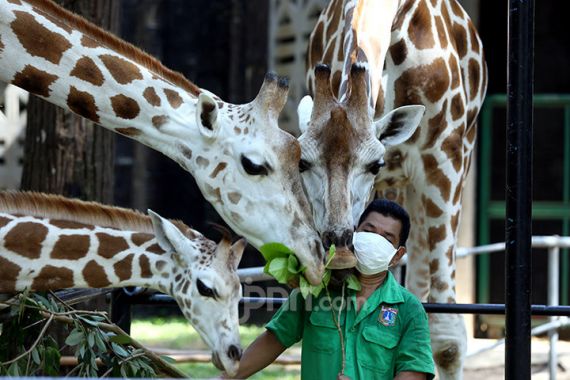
<point>57,244</point>
<point>79,67</point>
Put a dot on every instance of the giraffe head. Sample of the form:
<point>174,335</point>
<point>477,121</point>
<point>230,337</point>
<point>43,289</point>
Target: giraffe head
<point>343,150</point>
<point>204,281</point>
<point>248,170</point>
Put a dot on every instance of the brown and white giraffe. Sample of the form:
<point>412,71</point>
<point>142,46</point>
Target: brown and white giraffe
<point>407,52</point>
<point>245,166</point>
<point>49,242</point>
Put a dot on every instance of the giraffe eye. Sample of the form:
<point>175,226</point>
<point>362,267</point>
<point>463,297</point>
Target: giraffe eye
<point>304,165</point>
<point>204,290</point>
<point>252,168</point>
<point>374,167</point>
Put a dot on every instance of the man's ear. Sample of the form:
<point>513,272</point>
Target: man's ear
<point>399,125</point>
<point>397,256</point>
<point>304,111</point>
<point>207,115</point>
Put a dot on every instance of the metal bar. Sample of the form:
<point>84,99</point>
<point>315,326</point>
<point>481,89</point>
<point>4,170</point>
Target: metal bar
<point>121,309</point>
<point>553,299</point>
<point>566,198</point>
<point>518,228</point>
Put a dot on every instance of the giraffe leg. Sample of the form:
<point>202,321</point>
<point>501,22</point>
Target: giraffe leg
<point>448,334</point>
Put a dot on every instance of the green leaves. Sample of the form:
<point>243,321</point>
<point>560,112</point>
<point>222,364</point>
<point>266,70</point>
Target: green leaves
<point>283,265</point>
<point>353,283</point>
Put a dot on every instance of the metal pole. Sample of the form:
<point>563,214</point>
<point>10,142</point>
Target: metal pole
<point>518,229</point>
<point>553,297</point>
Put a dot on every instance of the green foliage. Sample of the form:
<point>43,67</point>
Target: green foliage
<point>27,349</point>
<point>283,265</point>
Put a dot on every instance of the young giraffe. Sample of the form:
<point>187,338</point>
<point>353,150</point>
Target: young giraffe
<point>414,52</point>
<point>245,166</point>
<point>49,242</point>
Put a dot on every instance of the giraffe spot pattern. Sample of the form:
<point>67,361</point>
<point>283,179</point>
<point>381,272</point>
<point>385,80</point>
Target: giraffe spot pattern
<point>89,42</point>
<point>457,9</point>
<point>53,20</point>
<point>155,248</point>
<point>202,162</point>
<point>8,275</point>
<point>186,152</point>
<point>125,107</point>
<point>70,247</point>
<point>474,78</point>
<point>4,221</point>
<point>455,70</point>
<point>159,120</point>
<point>123,269</point>
<point>234,197</point>
<point>434,266</point>
<point>449,255</point>
<point>139,238</point>
<point>68,224</point>
<point>145,267</point>
<point>83,104</point>
<point>17,2</point>
<point>173,98</point>
<point>399,52</point>
<point>95,276</point>
<point>452,146</point>
<point>333,21</point>
<point>473,37</point>
<point>457,194</point>
<point>436,235</point>
<point>85,69</point>
<point>432,209</point>
<point>151,96</point>
<point>316,48</point>
<point>460,37</point>
<point>110,245</point>
<point>1,44</point>
<point>435,176</point>
<point>123,71</point>
<point>471,117</point>
<point>26,239</point>
<point>438,284</point>
<point>457,107</point>
<point>404,10</point>
<point>221,166</point>
<point>433,79</point>
<point>160,265</point>
<point>51,277</point>
<point>129,131</point>
<point>455,221</point>
<point>37,39</point>
<point>419,29</point>
<point>437,125</point>
<point>441,32</point>
<point>34,80</point>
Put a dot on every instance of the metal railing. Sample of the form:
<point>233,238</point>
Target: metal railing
<point>552,243</point>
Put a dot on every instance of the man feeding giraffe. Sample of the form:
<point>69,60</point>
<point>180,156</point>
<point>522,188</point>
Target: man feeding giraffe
<point>387,60</point>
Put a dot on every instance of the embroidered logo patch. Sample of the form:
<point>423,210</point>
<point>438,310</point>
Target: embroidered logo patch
<point>388,316</point>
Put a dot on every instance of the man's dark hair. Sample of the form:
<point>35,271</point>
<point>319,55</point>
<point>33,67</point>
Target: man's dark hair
<point>392,209</point>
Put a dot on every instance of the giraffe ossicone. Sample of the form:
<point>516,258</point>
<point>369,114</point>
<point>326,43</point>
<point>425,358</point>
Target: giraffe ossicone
<point>243,163</point>
<point>416,52</point>
<point>48,242</point>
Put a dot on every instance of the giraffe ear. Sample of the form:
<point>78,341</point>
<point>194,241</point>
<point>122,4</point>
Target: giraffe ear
<point>236,252</point>
<point>304,111</point>
<point>399,125</point>
<point>207,115</point>
<point>169,237</point>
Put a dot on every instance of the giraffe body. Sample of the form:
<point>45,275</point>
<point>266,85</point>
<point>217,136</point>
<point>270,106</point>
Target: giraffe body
<point>415,52</point>
<point>50,242</point>
<point>244,165</point>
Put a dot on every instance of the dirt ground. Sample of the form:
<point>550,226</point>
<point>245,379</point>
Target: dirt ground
<point>491,365</point>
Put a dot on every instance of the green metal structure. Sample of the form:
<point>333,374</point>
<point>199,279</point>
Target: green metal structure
<point>494,209</point>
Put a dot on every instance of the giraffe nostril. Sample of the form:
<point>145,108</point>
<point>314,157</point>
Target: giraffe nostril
<point>234,352</point>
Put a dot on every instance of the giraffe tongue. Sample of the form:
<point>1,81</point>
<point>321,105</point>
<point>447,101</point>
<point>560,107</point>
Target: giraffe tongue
<point>343,259</point>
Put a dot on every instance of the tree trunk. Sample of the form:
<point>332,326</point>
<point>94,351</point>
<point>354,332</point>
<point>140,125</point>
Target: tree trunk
<point>66,154</point>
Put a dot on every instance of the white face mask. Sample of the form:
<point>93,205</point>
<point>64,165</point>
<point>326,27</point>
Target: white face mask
<point>373,252</point>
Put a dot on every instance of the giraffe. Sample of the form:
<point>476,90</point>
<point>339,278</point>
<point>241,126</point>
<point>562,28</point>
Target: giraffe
<point>50,242</point>
<point>402,53</point>
<point>244,165</point>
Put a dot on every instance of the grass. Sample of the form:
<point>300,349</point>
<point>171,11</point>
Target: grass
<point>176,333</point>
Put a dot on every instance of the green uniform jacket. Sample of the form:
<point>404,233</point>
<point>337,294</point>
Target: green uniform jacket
<point>390,334</point>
